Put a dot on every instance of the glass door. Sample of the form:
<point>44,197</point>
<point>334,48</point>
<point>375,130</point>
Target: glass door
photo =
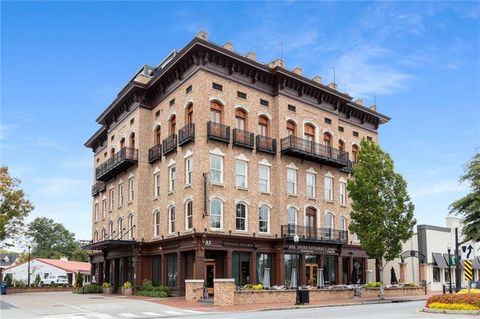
<point>209,275</point>
<point>311,271</point>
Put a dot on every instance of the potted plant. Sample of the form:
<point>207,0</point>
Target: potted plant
<point>127,288</point>
<point>107,288</point>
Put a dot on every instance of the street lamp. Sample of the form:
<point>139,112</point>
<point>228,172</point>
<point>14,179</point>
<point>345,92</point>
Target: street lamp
<point>28,280</point>
<point>295,240</point>
<point>449,249</point>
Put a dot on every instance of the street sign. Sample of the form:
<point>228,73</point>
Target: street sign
<point>467,251</point>
<point>468,270</point>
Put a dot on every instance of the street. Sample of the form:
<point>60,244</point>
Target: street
<point>74,306</point>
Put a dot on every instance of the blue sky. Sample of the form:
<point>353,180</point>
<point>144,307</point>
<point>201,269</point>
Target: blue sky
<point>62,63</point>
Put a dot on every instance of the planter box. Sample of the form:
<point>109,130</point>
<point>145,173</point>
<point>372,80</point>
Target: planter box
<point>127,291</point>
<point>108,291</point>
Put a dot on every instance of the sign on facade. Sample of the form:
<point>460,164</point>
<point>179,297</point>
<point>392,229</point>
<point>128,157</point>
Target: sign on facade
<point>468,270</point>
<point>467,251</point>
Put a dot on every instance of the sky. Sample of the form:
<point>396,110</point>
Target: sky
<point>63,63</point>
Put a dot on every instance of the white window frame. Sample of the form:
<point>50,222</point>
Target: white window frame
<point>260,220</point>
<point>156,223</point>
<point>104,233</point>
<point>104,208</point>
<point>96,210</point>
<point>328,188</point>
<point>156,184</point>
<point>187,216</point>
<point>342,193</point>
<point>292,182</point>
<point>343,223</point>
<point>219,157</point>
<point>221,213</point>
<point>238,175</point>
<point>120,227</point>
<point>172,173</point>
<point>121,198</point>
<point>246,216</point>
<point>295,215</point>
<point>260,179</point>
<point>130,225</point>
<point>111,198</point>
<point>188,171</point>
<point>171,222</point>
<point>311,189</point>
<point>131,189</point>
<point>110,230</point>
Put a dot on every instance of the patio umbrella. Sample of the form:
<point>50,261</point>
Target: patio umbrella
<point>266,278</point>
<point>354,275</point>
<point>393,277</point>
<point>293,279</point>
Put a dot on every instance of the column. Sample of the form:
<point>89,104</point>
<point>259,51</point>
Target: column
<point>228,261</point>
<point>301,270</point>
<point>180,270</point>
<point>163,271</point>
<point>253,268</point>
<point>279,268</point>
<point>199,261</point>
<point>339,275</point>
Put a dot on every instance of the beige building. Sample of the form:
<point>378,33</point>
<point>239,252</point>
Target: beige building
<point>208,165</point>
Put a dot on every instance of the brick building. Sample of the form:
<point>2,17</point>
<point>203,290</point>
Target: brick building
<point>207,165</point>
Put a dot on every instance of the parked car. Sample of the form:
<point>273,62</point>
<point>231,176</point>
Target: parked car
<point>55,281</point>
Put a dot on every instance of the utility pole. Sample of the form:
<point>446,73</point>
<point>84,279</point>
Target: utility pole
<point>458,278</point>
<point>28,281</point>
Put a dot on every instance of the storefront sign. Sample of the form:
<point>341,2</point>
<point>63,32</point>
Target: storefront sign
<point>239,245</point>
<point>312,249</point>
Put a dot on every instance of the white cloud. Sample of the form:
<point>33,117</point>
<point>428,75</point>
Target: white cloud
<point>61,186</point>
<point>439,187</point>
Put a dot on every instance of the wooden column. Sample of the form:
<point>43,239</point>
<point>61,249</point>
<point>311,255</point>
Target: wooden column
<point>301,269</point>
<point>339,274</point>
<point>199,270</point>
<point>180,270</point>
<point>228,261</point>
<point>278,271</point>
<point>253,268</point>
<point>163,270</point>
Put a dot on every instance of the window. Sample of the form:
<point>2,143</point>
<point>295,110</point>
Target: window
<point>96,211</point>
<point>241,217</point>
<point>264,102</point>
<point>172,123</point>
<point>110,230</point>
<point>188,170</point>
<point>104,207</point>
<point>156,223</point>
<point>341,146</point>
<point>342,193</point>
<point>263,124</point>
<point>131,189</point>
<point>171,219</point>
<point>216,168</point>
<point>292,108</point>
<point>120,195</point>
<point>264,261</point>
<point>132,140</point>
<point>327,139</point>
<point>369,138</point>
<point>189,114</point>
<point>158,135</point>
<point>328,121</point>
<point>188,215</point>
<point>311,185</point>
<point>171,178</point>
<point>216,113</point>
<point>216,213</point>
<point>240,119</point>
<point>156,184</point>
<point>355,134</point>
<point>188,89</point>
<point>132,121</point>
<point>436,274</point>
<point>328,188</point>
<point>291,128</point>
<point>343,228</point>
<point>157,114</point>
<point>122,142</point>
<point>104,233</point>
<point>130,226</point>
<point>172,272</point>
<point>264,178</point>
<point>95,237</point>
<point>172,101</point>
<point>241,174</point>
<point>120,227</point>
<point>292,216</point>
<point>241,95</point>
<point>111,196</point>
<point>217,86</point>
<point>263,216</point>
<point>309,133</point>
<point>341,129</point>
<point>354,153</point>
<point>291,181</point>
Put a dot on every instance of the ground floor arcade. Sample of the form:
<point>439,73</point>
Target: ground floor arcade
<point>249,260</point>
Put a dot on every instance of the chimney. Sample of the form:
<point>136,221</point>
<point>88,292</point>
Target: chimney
<point>332,85</point>
<point>277,62</point>
<point>228,46</point>
<point>297,70</point>
<point>202,35</point>
<point>317,79</point>
<point>359,101</point>
<point>252,56</point>
<point>373,108</point>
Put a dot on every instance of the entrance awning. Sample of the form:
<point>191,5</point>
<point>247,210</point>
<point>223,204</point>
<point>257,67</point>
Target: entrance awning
<point>108,244</point>
<point>441,262</point>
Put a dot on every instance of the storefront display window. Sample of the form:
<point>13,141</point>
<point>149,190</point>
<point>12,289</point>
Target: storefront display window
<point>264,261</point>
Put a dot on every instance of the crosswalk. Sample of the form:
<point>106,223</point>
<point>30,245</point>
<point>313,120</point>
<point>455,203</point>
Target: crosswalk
<point>139,315</point>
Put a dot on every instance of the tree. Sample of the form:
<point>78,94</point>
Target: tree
<point>50,239</point>
<point>14,207</point>
<point>469,205</point>
<point>79,280</point>
<point>382,213</point>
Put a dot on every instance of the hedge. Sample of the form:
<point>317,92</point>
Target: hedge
<point>449,306</point>
<point>470,299</point>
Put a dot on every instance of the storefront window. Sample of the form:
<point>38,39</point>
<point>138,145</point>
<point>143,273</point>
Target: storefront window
<point>241,268</point>
<point>172,270</point>
<point>291,264</point>
<point>130,269</point>
<point>358,270</point>
<point>436,274</point>
<point>329,270</point>
<point>156,270</point>
<point>264,261</point>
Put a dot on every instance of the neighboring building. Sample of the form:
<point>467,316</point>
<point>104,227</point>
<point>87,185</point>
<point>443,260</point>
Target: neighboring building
<point>49,268</point>
<point>207,165</point>
<point>432,242</point>
<point>7,260</point>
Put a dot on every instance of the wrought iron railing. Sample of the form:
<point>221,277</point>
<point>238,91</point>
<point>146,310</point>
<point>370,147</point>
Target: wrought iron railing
<point>308,233</point>
<point>98,187</point>
<point>266,144</point>
<point>155,153</point>
<point>243,138</point>
<point>169,144</point>
<point>125,156</point>
<point>219,132</point>
<point>186,134</point>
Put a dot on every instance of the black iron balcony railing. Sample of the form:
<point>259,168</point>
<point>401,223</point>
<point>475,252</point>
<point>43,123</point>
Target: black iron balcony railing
<point>305,149</point>
<point>154,153</point>
<point>169,144</point>
<point>348,168</point>
<point>186,134</point>
<point>266,144</point>
<point>120,161</point>
<point>243,138</point>
<point>98,187</point>
<point>218,132</point>
<point>306,233</point>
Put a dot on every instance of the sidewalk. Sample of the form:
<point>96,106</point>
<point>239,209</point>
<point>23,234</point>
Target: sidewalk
<point>179,302</point>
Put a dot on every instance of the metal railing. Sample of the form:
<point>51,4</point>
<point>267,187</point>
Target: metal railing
<point>308,233</point>
<point>124,156</point>
<point>243,138</point>
<point>219,132</point>
<point>98,187</point>
<point>266,144</point>
<point>186,134</point>
<point>169,144</point>
<point>154,153</point>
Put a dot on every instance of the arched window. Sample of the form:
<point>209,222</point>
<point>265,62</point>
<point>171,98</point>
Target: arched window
<point>216,113</point>
<point>110,230</point>
<point>104,233</point>
<point>216,213</point>
<point>158,135</point>
<point>329,225</point>
<point>240,119</point>
<point>95,236</point>
<point>130,226</point>
<point>241,217</point>
<point>327,139</point>
<point>292,216</point>
<point>264,219</point>
<point>343,223</point>
<point>171,219</point>
<point>189,214</point>
<point>132,140</point>
<point>156,223</point>
<point>309,133</point>
<point>291,128</point>
<point>120,227</point>
<point>263,126</point>
<point>189,114</point>
<point>172,124</point>
<point>112,152</point>
<point>122,142</point>
<point>341,145</point>
<point>354,153</point>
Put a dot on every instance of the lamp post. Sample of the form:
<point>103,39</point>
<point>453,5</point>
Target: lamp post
<point>449,249</point>
<point>295,240</point>
<point>28,280</point>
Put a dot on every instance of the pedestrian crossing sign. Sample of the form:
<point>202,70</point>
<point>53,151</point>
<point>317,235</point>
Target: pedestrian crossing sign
<point>468,269</point>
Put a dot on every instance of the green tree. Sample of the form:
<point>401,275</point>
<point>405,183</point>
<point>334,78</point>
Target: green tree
<point>14,207</point>
<point>382,213</point>
<point>469,205</point>
<point>79,280</point>
<point>50,239</point>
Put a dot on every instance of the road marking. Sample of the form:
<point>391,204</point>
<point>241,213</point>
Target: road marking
<point>128,315</point>
<point>148,313</point>
<point>172,312</point>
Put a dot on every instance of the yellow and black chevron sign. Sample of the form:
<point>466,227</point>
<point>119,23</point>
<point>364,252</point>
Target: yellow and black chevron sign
<point>468,269</point>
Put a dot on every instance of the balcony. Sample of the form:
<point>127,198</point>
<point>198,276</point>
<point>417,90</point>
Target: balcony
<point>186,134</point>
<point>98,187</point>
<point>155,153</point>
<point>243,138</point>
<point>120,161</point>
<point>218,132</point>
<point>311,151</point>
<point>348,168</point>
<point>312,234</point>
<point>169,144</point>
<point>266,144</point>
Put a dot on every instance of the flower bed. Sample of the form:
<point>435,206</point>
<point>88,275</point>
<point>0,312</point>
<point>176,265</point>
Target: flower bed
<point>462,301</point>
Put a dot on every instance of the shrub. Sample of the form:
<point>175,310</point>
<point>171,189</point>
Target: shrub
<point>147,286</point>
<point>410,284</point>
<point>90,289</point>
<point>152,293</point>
<point>8,280</point>
<point>19,283</point>
<point>127,285</point>
<point>106,285</point>
<point>449,306</point>
<point>472,291</point>
<point>373,284</point>
<point>37,281</point>
<point>471,299</point>
<point>79,280</point>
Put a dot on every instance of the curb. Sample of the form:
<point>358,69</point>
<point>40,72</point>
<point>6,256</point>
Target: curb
<point>452,312</point>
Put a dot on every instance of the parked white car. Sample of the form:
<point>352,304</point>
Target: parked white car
<point>55,280</point>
